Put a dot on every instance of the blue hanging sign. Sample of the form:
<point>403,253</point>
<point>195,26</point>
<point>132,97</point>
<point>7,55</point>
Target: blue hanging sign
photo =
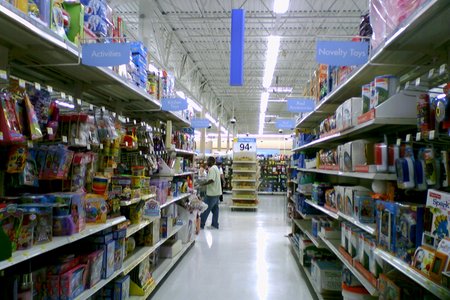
<point>189,130</point>
<point>173,104</point>
<point>300,105</point>
<point>200,123</point>
<point>285,124</point>
<point>342,53</point>
<point>106,55</point>
<point>237,47</point>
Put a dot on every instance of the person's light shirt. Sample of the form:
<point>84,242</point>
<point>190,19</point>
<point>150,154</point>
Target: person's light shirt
<point>215,188</point>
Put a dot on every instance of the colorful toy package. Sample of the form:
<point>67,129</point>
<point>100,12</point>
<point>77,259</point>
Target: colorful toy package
<point>438,203</point>
<point>96,208</point>
<point>9,122</point>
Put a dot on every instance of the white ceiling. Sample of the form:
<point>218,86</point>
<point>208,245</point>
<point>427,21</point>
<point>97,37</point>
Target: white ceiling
<point>192,38</point>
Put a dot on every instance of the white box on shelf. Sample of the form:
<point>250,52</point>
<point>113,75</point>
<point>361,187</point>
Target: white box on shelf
<point>351,110</point>
<point>339,116</point>
<point>326,275</point>
<point>171,248</point>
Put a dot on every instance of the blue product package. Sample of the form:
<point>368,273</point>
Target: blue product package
<point>139,61</point>
<point>122,288</point>
<point>108,258</point>
<point>97,24</point>
<point>138,48</point>
<point>385,217</point>
<point>409,222</point>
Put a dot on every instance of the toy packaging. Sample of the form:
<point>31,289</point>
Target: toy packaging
<point>438,203</point>
<point>10,221</point>
<point>108,258</point>
<point>72,283</point>
<point>386,212</point>
<point>94,264</point>
<point>96,209</point>
<point>122,288</point>
<point>364,209</point>
<point>43,231</point>
<point>408,230</point>
<point>423,259</point>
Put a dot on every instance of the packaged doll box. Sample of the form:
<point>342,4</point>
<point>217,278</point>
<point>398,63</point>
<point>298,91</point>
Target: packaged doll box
<point>438,204</point>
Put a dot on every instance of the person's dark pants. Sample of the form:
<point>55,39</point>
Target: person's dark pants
<point>213,206</point>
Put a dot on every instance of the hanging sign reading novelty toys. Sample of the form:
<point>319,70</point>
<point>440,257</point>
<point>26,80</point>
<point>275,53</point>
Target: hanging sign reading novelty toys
<point>342,53</point>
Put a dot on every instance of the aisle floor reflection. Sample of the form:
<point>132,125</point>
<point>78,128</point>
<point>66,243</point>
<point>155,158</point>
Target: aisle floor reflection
<point>248,258</point>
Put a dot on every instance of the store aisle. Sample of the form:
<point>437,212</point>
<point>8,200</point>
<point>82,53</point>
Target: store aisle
<point>248,258</point>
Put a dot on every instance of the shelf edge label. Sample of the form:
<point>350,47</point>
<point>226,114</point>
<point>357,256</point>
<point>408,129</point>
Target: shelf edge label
<point>342,53</point>
<point>174,104</point>
<point>300,105</point>
<point>106,55</point>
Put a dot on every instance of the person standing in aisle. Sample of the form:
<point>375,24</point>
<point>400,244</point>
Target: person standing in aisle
<point>213,192</point>
<point>222,177</point>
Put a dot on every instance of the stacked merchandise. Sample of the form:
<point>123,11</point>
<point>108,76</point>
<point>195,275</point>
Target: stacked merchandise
<point>84,174</point>
<point>245,180</point>
<point>273,174</point>
<point>376,167</point>
<point>94,21</point>
<point>139,58</point>
<point>183,141</point>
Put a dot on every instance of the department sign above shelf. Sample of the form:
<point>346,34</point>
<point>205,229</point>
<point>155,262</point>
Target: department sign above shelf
<point>173,104</point>
<point>285,123</point>
<point>200,123</point>
<point>106,55</point>
<point>300,105</point>
<point>342,53</point>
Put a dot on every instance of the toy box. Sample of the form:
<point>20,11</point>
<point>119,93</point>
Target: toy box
<point>318,192</point>
<point>350,195</point>
<point>69,214</point>
<point>340,197</point>
<point>339,116</point>
<point>72,283</point>
<point>108,258</point>
<point>122,288</point>
<point>44,221</point>
<point>166,226</point>
<point>364,209</point>
<point>119,253</point>
<point>351,110</point>
<point>326,275</point>
<point>171,248</point>
<point>408,230</point>
<point>438,203</point>
<point>96,208</point>
<point>94,264</point>
<point>423,259</point>
<point>385,217</point>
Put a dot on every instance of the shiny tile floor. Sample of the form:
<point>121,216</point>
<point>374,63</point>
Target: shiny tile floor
<point>248,258</point>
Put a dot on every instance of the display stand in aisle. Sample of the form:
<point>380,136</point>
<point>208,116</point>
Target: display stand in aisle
<point>245,174</point>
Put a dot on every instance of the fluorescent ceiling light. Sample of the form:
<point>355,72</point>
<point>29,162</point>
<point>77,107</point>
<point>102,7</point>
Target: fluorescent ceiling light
<point>273,47</point>
<point>278,100</point>
<point>280,89</point>
<point>194,105</point>
<point>280,6</point>
<point>264,101</point>
<point>262,110</point>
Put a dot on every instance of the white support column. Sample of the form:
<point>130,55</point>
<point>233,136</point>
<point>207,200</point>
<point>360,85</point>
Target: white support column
<point>203,136</point>
<point>219,138</point>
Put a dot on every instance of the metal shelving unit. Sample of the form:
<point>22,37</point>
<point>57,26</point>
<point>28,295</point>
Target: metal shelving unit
<point>333,245</point>
<point>373,176</point>
<point>244,192</point>
<point>438,290</point>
